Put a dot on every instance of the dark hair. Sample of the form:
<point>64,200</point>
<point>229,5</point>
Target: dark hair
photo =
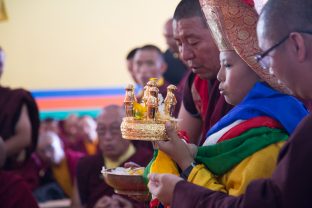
<point>284,16</point>
<point>131,53</point>
<point>150,47</point>
<point>189,9</point>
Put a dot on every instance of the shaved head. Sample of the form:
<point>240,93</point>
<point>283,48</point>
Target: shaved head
<point>280,17</point>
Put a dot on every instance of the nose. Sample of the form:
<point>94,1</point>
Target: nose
<point>186,52</point>
<point>221,75</point>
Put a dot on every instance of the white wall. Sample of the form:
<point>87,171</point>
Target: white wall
<point>77,43</point>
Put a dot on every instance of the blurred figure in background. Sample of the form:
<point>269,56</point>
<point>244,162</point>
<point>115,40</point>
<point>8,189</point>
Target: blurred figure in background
<point>69,133</point>
<point>88,135</point>
<point>19,123</point>
<point>49,124</point>
<point>129,63</point>
<point>149,63</point>
<point>59,168</point>
<point>115,151</point>
<point>176,68</point>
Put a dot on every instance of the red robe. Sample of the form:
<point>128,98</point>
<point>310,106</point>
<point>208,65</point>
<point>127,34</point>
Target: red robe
<point>11,102</point>
<point>289,187</point>
<point>202,100</point>
<point>14,192</point>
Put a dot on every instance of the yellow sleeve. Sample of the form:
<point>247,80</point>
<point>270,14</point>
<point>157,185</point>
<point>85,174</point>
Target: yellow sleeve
<point>259,165</point>
<point>201,176</point>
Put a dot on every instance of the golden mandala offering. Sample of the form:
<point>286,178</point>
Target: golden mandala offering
<point>146,120</point>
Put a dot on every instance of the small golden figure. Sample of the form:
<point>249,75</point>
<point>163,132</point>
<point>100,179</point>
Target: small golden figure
<point>152,82</point>
<point>145,95</point>
<point>129,100</point>
<point>152,103</point>
<point>170,100</point>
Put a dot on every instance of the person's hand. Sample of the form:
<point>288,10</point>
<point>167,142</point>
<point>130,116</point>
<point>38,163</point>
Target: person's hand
<point>122,202</point>
<point>105,202</point>
<point>176,148</point>
<point>131,165</point>
<point>162,186</point>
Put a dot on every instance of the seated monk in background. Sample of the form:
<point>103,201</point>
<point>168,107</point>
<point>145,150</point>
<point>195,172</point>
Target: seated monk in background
<point>87,134</point>
<point>244,144</point>
<point>69,133</point>
<point>59,164</point>
<point>115,151</point>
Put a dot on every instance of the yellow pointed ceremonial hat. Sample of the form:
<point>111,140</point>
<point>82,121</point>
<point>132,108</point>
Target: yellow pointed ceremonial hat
<point>233,27</point>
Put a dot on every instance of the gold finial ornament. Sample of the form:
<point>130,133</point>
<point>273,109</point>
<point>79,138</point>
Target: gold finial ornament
<point>145,95</point>
<point>170,100</point>
<point>129,100</point>
<point>150,125</point>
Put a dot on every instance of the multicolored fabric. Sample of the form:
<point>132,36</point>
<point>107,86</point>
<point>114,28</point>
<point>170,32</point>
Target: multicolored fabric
<point>262,100</point>
<point>265,120</point>
<point>222,157</point>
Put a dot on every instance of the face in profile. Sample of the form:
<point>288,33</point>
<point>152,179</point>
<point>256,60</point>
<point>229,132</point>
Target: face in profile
<point>108,128</point>
<point>197,47</point>
<point>235,76</point>
<point>148,64</point>
<point>281,61</point>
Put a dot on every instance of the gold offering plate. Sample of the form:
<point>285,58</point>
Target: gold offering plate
<point>130,185</point>
<point>146,130</point>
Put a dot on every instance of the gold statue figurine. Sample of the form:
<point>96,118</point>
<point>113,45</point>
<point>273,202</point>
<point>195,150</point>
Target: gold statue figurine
<point>129,100</point>
<point>170,100</point>
<point>152,103</point>
<point>145,95</point>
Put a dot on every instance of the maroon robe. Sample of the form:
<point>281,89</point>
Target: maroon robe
<point>14,192</point>
<point>91,184</point>
<point>32,170</point>
<point>11,102</point>
<point>289,187</point>
<point>202,100</point>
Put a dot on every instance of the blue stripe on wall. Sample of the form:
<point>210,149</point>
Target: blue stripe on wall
<point>79,92</point>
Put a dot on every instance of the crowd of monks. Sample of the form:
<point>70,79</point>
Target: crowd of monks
<point>243,102</point>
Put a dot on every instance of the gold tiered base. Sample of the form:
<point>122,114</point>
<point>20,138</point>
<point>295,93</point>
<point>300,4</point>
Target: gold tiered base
<point>147,130</point>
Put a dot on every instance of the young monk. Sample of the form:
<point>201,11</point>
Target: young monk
<point>244,144</point>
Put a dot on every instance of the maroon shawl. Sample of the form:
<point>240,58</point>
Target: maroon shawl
<point>11,102</point>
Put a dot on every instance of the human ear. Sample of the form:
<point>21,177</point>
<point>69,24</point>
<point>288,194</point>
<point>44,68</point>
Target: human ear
<point>298,46</point>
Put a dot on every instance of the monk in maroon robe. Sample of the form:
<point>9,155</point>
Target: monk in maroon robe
<point>202,104</point>
<point>19,123</point>
<point>115,152</point>
<point>19,118</point>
